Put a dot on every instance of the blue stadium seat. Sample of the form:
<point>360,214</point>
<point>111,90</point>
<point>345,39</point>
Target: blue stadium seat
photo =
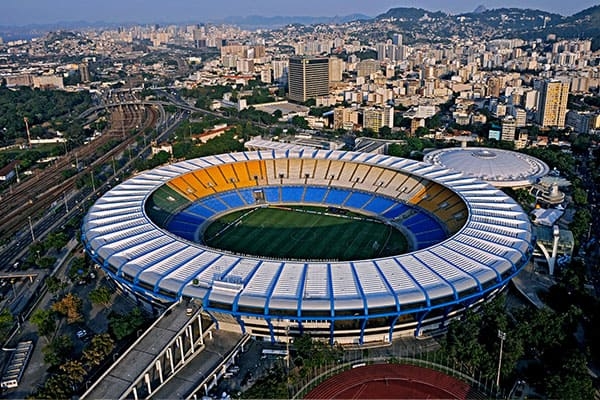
<point>358,200</point>
<point>183,228</point>
<point>426,229</point>
<point>247,195</point>
<point>232,199</point>
<point>415,220</point>
<point>292,194</point>
<point>314,194</point>
<point>214,204</point>
<point>200,210</point>
<point>379,205</point>
<point>272,194</point>
<point>395,211</point>
<point>336,197</point>
<point>190,217</point>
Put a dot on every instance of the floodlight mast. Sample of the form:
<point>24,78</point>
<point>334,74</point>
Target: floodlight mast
<point>502,337</point>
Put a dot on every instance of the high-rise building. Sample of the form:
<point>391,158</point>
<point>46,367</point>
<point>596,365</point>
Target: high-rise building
<point>245,65</point>
<point>509,128</point>
<point>520,116</point>
<point>387,51</point>
<point>494,86</point>
<point>280,70</point>
<point>308,78</point>
<point>552,103</point>
<point>336,69</point>
<point>265,75</point>
<point>367,67</point>
<point>84,72</point>
<point>397,39</point>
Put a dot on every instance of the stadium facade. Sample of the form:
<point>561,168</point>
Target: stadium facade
<point>467,240</point>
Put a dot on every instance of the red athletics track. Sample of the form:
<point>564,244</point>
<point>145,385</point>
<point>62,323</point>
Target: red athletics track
<point>392,381</point>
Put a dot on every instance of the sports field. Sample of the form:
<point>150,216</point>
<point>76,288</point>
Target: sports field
<point>304,233</point>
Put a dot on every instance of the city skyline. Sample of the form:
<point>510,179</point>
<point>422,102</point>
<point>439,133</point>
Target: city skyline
<point>24,12</point>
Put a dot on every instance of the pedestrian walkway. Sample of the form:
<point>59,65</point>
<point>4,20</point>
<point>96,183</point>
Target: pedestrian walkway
<point>189,377</point>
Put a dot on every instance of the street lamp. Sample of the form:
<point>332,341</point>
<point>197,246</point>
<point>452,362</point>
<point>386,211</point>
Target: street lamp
<point>287,347</point>
<point>31,229</point>
<point>501,336</point>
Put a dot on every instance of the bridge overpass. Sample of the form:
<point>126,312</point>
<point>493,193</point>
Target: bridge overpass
<point>162,352</point>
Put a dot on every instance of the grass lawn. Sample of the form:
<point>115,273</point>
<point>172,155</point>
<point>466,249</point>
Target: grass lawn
<point>303,233</point>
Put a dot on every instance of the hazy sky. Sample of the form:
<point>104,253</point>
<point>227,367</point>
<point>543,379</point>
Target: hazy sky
<point>21,12</point>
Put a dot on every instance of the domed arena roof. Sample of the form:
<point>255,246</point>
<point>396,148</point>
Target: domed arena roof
<point>501,168</point>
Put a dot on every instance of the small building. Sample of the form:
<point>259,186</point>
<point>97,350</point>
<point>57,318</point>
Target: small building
<point>166,147</point>
<point>17,364</point>
<point>208,134</point>
<point>8,172</point>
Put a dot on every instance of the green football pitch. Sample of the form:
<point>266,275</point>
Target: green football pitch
<point>307,233</point>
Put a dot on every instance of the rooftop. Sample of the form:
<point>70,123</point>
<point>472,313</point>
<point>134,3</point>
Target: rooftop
<point>501,168</point>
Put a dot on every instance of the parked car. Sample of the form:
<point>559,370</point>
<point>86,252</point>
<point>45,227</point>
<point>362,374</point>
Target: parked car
<point>81,333</point>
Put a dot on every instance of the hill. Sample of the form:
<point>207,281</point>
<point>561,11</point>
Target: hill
<point>421,24</point>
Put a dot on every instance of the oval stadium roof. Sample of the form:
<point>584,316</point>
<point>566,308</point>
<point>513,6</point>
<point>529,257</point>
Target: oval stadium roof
<point>481,255</point>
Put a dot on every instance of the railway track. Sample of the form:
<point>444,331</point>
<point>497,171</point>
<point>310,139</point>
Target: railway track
<point>33,196</point>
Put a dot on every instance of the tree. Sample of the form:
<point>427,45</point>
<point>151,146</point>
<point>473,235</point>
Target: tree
<point>100,295</point>
<point>123,325</point>
<point>56,240</point>
<point>45,321</point>
<point>580,196</point>
<point>46,262</point>
<point>573,381</point>
<point>6,322</point>
<point>272,386</point>
<point>58,350</point>
<point>100,347</point>
<point>55,387</point>
<point>385,132</point>
<point>300,122</point>
<point>434,122</point>
<point>70,307</point>
<point>78,267</point>
<point>524,198</point>
<point>313,353</point>
<point>6,319</point>
<point>277,114</point>
<point>54,284</point>
<point>74,371</point>
<point>473,342</point>
<point>580,224</point>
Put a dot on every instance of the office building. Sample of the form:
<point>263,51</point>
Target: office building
<point>308,78</point>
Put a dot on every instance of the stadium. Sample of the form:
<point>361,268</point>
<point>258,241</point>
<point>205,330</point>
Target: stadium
<point>463,240</point>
